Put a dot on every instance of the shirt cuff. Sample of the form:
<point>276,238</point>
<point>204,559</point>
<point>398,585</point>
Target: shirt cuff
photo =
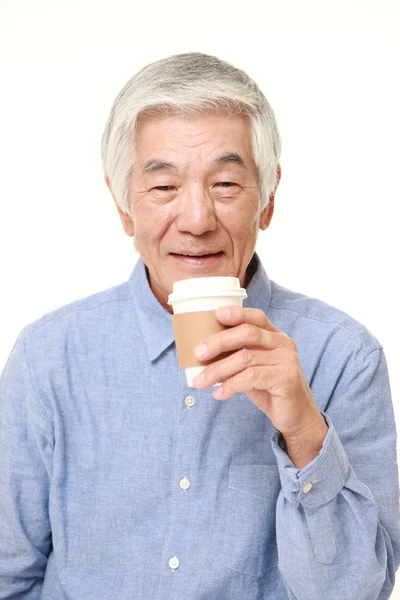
<point>319,481</point>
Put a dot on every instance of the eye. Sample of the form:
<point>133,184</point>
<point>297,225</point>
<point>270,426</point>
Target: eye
<point>226,183</point>
<point>164,188</point>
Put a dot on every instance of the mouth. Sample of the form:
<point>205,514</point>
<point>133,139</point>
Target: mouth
<point>197,258</point>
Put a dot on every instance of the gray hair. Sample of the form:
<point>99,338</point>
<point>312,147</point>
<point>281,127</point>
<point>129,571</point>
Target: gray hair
<point>188,84</point>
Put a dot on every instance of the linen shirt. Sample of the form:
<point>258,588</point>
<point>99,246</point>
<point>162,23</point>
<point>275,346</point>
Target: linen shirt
<point>117,481</point>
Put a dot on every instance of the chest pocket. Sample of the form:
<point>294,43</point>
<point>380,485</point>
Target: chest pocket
<point>250,536</point>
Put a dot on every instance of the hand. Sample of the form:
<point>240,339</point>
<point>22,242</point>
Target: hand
<point>265,366</point>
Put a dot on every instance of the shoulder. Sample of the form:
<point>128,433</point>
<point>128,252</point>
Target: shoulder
<point>314,320</point>
<point>103,307</point>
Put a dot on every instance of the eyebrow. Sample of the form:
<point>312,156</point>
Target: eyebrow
<point>156,165</point>
<point>229,157</point>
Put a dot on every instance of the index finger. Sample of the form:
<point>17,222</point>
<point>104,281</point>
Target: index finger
<point>236,315</point>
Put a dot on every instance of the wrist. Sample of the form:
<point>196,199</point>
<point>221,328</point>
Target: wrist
<point>305,446</point>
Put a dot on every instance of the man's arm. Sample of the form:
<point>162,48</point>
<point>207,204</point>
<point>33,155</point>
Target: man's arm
<point>25,466</point>
<point>337,518</point>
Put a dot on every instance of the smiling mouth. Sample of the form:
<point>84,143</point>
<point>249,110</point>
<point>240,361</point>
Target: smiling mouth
<point>210,258</point>
<point>202,255</point>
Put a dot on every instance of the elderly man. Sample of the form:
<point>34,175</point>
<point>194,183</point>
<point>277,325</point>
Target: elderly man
<point>120,482</point>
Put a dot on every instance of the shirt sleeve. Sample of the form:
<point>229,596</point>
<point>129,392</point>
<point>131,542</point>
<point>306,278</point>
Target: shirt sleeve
<point>337,519</point>
<point>26,448</point>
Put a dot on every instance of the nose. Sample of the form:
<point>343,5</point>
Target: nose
<point>196,211</point>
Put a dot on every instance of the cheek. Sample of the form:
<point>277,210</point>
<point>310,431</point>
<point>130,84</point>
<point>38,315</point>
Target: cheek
<point>151,224</point>
<point>240,222</point>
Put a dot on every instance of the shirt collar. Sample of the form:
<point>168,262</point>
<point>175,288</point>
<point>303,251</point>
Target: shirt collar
<point>155,321</point>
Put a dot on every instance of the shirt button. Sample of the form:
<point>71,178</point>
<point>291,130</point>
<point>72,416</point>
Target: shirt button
<point>307,487</point>
<point>173,563</point>
<point>184,483</point>
<point>190,401</point>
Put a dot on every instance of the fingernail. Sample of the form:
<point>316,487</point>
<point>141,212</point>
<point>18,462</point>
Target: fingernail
<point>200,351</point>
<point>199,379</point>
<point>218,392</point>
<point>224,312</point>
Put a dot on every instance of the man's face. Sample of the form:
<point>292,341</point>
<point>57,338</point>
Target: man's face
<point>194,199</point>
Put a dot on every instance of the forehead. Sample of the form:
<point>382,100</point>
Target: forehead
<point>202,137</point>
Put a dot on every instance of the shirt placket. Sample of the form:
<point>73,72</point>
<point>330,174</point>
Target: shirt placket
<point>174,563</point>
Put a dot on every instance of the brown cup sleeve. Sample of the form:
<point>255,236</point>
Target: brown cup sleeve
<point>190,329</point>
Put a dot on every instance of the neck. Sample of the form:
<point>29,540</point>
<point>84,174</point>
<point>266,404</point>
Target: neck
<point>250,271</point>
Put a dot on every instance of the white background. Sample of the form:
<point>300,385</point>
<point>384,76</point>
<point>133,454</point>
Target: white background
<point>330,71</point>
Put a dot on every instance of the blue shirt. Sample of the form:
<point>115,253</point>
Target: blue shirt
<point>117,481</point>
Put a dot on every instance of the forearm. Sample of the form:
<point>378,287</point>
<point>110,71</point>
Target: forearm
<point>331,542</point>
<point>25,463</point>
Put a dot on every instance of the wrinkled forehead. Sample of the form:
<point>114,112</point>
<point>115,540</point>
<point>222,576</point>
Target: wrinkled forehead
<point>215,138</point>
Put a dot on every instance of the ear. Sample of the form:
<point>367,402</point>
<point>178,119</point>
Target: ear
<point>267,213</point>
<point>126,220</point>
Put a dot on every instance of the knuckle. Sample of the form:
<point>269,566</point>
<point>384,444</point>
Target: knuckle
<point>219,342</point>
<point>291,356</point>
<point>245,327</point>
<point>290,343</point>
<point>258,313</point>
<point>289,371</point>
<point>254,334</point>
<point>246,357</point>
<point>251,373</point>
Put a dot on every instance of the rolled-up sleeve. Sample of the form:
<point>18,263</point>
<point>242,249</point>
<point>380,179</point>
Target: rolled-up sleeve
<point>337,519</point>
<point>26,449</point>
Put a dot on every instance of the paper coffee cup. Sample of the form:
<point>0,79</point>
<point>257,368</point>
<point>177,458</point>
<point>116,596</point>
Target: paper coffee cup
<point>194,302</point>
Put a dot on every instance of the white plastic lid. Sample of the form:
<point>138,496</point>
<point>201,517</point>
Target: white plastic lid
<point>203,287</point>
